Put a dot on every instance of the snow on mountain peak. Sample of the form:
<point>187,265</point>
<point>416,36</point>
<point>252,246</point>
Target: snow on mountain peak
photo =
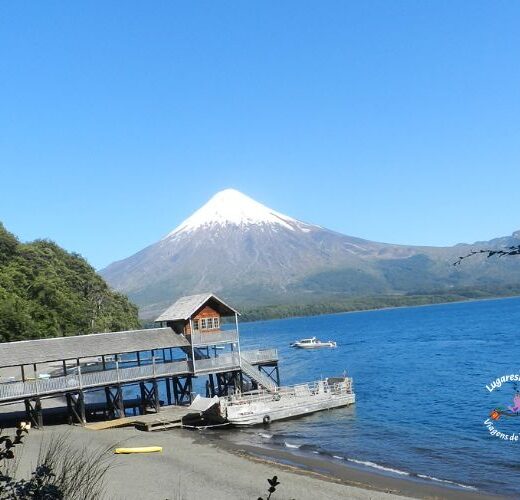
<point>231,207</point>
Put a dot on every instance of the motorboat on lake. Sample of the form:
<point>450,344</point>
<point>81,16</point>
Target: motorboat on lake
<point>313,343</point>
<point>264,407</point>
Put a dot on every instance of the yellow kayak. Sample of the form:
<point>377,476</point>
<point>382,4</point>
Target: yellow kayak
<point>143,449</point>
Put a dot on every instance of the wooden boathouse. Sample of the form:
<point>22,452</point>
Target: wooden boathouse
<point>187,343</point>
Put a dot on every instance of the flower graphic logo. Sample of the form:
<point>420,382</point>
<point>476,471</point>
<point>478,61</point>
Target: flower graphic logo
<point>512,410</point>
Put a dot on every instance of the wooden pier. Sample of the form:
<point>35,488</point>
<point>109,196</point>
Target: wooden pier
<point>187,345</point>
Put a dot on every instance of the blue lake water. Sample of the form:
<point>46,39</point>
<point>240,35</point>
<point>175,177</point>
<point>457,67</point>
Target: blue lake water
<point>420,378</point>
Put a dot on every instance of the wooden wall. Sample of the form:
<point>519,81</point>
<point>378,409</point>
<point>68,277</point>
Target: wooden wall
<point>205,312</point>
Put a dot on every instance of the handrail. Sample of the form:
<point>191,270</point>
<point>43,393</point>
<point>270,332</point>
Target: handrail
<point>259,355</point>
<point>218,337</point>
<point>298,390</point>
<point>11,391</point>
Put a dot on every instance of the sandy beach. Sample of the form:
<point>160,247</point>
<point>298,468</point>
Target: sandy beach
<point>193,466</point>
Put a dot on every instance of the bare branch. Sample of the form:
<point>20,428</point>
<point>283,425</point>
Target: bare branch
<point>513,250</point>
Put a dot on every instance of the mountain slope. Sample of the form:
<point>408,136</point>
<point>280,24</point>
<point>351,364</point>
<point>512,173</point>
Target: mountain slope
<point>254,255</point>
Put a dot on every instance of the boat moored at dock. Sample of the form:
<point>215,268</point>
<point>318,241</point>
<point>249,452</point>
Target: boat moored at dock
<point>262,407</point>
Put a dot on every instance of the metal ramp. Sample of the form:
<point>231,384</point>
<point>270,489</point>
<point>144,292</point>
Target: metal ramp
<point>256,375</point>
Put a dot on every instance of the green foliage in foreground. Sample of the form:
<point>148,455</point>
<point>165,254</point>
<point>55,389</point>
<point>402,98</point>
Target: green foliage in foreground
<point>48,292</point>
<point>368,303</point>
<point>64,471</point>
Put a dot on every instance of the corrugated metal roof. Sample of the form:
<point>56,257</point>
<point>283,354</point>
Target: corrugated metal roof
<point>84,346</point>
<point>185,307</point>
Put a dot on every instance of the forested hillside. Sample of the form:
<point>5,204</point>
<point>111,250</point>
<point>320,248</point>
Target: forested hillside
<point>46,291</point>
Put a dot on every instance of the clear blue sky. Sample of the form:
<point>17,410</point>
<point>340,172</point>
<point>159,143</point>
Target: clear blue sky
<point>396,121</point>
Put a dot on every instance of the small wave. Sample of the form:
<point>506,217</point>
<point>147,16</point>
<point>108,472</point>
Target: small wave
<point>308,447</point>
<point>289,445</point>
<point>265,436</point>
<point>380,467</point>
<point>431,478</point>
<point>338,457</point>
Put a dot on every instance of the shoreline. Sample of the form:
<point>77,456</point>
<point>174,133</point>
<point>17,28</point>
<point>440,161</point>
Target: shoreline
<point>350,475</point>
<point>197,465</point>
<point>386,308</point>
<point>190,467</point>
<point>146,322</point>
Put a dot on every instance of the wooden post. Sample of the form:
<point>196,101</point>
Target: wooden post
<point>168,391</point>
<point>81,408</point>
<point>35,370</point>
<point>69,408</point>
<point>175,382</point>
<point>192,347</point>
<point>39,413</point>
<point>212,384</point>
<point>120,401</point>
<point>117,370</point>
<point>80,377</point>
<point>143,398</point>
<point>189,384</point>
<point>156,396</point>
<point>238,341</point>
<point>138,358</point>
<point>23,373</point>
<point>34,415</point>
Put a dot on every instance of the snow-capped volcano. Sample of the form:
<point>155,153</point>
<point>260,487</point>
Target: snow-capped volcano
<point>231,207</point>
<point>253,255</point>
<point>232,245</point>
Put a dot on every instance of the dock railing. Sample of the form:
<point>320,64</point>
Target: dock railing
<point>218,337</point>
<point>223,362</point>
<point>299,390</point>
<point>12,391</point>
<point>260,355</point>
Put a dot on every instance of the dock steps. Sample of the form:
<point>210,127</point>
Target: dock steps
<point>255,374</point>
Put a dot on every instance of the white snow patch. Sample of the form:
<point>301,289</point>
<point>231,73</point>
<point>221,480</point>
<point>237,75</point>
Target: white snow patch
<point>231,207</point>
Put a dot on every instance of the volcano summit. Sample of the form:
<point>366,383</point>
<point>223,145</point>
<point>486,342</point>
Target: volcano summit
<point>254,255</point>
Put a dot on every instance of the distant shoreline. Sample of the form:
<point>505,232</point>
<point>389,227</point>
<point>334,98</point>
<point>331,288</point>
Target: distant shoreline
<point>247,319</point>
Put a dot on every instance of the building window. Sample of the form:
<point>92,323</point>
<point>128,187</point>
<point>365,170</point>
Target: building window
<point>206,324</point>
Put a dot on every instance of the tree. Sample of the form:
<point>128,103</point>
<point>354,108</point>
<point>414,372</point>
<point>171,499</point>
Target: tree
<point>509,251</point>
<point>46,291</point>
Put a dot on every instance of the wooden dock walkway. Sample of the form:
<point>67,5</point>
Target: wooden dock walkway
<point>169,417</point>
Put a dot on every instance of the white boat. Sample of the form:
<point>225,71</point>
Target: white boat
<point>313,343</point>
<point>262,407</point>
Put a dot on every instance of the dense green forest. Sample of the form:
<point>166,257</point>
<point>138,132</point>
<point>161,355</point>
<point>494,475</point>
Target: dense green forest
<point>46,291</point>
